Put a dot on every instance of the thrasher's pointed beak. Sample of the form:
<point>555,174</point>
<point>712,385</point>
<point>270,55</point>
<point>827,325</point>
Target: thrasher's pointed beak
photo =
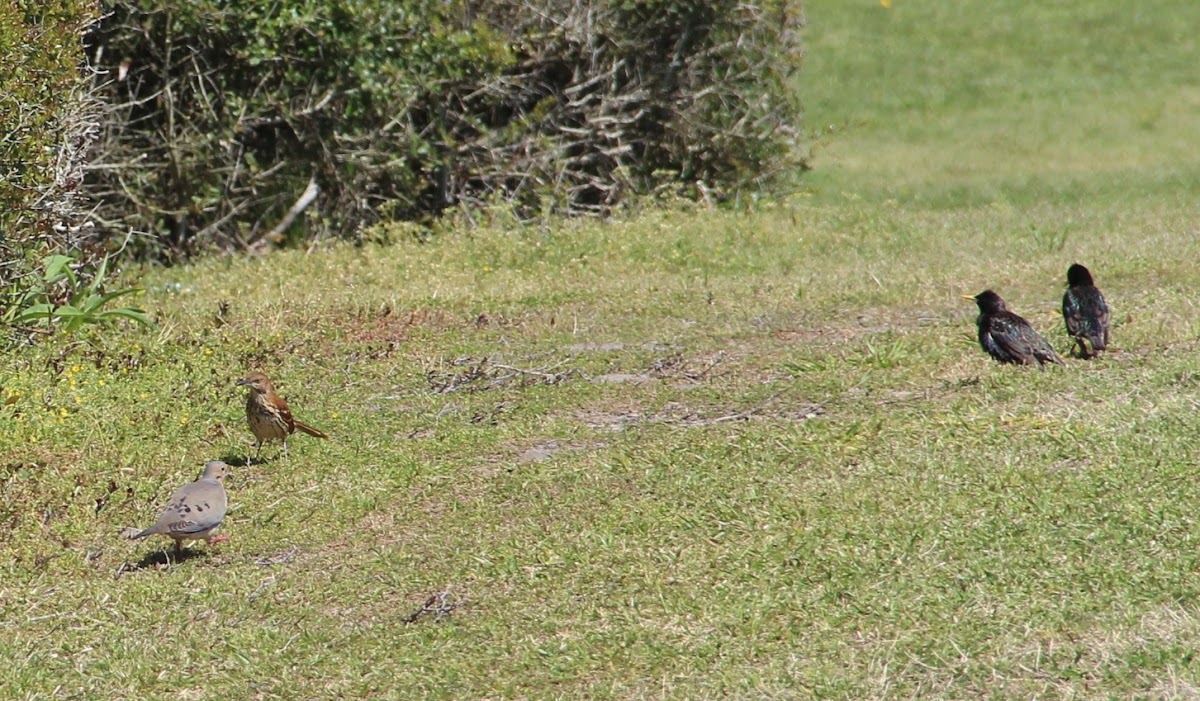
<point>241,382</point>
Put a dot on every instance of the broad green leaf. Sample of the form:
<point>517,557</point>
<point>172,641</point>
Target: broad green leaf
<point>36,312</point>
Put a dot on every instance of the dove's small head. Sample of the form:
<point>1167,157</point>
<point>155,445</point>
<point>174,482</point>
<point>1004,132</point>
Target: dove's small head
<point>215,470</point>
<point>257,382</point>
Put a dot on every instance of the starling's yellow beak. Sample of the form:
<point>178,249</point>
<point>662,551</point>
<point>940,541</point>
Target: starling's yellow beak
<point>970,297</point>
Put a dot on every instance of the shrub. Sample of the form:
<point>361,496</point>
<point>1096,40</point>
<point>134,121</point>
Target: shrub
<point>47,122</point>
<point>239,123</point>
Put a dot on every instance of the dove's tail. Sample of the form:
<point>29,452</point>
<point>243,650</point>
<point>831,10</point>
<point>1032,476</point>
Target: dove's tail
<point>148,532</point>
<point>301,426</point>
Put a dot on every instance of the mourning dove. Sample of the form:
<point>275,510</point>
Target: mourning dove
<point>195,510</point>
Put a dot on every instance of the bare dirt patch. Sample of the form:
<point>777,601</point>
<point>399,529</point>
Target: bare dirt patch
<point>851,325</point>
<point>614,346</point>
<point>621,378</point>
<point>540,451</point>
<point>393,325</point>
<point>472,374</point>
<point>693,370</point>
<point>543,451</point>
<point>679,414</point>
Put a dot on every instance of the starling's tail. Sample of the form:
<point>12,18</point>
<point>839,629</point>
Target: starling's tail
<point>301,426</point>
<point>1045,354</point>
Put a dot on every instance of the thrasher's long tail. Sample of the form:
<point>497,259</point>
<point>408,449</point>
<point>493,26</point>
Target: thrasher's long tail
<point>301,426</point>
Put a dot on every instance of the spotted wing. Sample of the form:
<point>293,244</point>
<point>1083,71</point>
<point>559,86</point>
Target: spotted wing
<point>195,508</point>
<point>1010,339</point>
<point>1086,315</point>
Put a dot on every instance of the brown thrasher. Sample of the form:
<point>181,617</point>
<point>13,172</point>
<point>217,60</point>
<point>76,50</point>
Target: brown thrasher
<point>269,415</point>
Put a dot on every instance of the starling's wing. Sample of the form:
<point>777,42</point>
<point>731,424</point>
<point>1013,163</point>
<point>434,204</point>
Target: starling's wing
<point>1086,315</point>
<point>1095,312</point>
<point>194,509</point>
<point>1005,338</point>
<point>1073,312</point>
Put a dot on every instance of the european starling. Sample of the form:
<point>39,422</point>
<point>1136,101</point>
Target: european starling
<point>1085,312</point>
<point>1007,337</point>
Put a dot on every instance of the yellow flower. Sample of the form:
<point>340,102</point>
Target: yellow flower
<point>885,3</point>
<point>33,439</point>
<point>208,351</point>
<point>63,411</point>
<point>183,421</point>
<point>100,382</point>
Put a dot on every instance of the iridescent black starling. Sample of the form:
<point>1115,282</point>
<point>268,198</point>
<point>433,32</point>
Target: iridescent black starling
<point>1007,337</point>
<point>1085,312</point>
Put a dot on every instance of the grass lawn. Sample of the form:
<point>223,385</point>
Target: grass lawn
<point>688,453</point>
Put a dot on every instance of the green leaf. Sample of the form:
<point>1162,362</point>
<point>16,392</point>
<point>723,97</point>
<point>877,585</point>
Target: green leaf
<point>35,313</point>
<point>98,278</point>
<point>68,311</point>
<point>126,313</point>
<point>70,316</point>
<point>57,267</point>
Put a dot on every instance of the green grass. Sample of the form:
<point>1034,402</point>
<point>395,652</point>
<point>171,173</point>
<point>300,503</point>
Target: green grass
<point>688,453</point>
<point>967,104</point>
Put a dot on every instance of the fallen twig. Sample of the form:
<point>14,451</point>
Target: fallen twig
<point>439,605</point>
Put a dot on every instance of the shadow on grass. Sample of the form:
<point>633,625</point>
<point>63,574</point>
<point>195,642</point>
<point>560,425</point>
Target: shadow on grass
<point>162,557</point>
<point>236,460</point>
<point>247,461</point>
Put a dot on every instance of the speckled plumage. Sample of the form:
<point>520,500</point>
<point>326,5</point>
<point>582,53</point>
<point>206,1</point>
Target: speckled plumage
<point>1085,312</point>
<point>269,415</point>
<point>1007,337</point>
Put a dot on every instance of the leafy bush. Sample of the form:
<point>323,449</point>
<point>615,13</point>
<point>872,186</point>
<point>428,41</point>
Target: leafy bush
<point>47,122</point>
<point>233,120</point>
<point>624,98</point>
<point>234,114</point>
